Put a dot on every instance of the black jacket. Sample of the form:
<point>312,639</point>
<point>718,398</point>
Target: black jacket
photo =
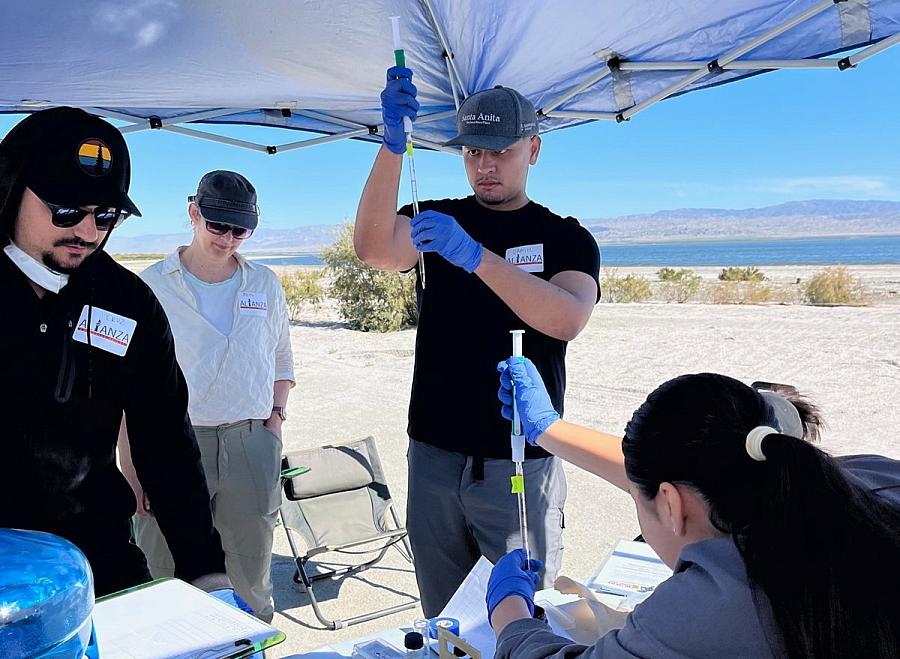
<point>61,407</point>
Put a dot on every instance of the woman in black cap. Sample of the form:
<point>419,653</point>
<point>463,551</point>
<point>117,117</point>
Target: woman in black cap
<point>232,339</point>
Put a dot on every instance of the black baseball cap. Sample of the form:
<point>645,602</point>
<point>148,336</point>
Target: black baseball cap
<point>227,197</point>
<point>494,119</point>
<point>72,158</point>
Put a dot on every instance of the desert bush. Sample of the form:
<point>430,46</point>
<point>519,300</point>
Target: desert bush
<point>302,288</point>
<point>835,285</point>
<point>742,292</point>
<point>679,285</point>
<point>368,299</point>
<point>667,274</point>
<point>630,288</point>
<point>741,274</point>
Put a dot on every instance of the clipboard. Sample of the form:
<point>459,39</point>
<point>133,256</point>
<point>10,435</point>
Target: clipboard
<point>171,618</point>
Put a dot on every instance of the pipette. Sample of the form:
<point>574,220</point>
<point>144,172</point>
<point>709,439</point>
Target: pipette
<point>400,60</point>
<point>517,442</point>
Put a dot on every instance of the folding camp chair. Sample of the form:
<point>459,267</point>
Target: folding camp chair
<point>340,505</point>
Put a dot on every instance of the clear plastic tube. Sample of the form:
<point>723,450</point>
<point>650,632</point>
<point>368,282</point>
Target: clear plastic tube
<point>517,443</point>
<point>400,60</point>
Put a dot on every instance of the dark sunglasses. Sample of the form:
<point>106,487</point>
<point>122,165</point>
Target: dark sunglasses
<point>220,229</point>
<point>105,217</point>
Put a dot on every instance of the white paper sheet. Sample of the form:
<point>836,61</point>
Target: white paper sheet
<point>632,568</point>
<point>467,605</point>
<point>172,619</point>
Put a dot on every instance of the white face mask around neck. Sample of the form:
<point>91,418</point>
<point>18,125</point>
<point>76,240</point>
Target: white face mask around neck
<point>35,270</point>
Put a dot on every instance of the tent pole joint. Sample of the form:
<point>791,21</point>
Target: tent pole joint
<point>621,117</point>
<point>844,63</point>
<point>614,63</point>
<point>373,130</point>
<point>271,150</point>
<point>155,123</point>
<point>714,67</point>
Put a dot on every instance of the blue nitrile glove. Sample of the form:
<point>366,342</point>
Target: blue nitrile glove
<point>532,400</point>
<point>231,598</point>
<point>436,232</point>
<point>511,577</point>
<point>398,100</point>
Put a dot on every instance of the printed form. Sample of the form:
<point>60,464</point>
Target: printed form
<point>172,619</point>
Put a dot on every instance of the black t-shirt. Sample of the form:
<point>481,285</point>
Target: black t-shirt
<point>464,327</point>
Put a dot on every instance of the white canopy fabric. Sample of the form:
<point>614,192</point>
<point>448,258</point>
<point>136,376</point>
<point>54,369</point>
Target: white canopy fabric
<point>318,65</point>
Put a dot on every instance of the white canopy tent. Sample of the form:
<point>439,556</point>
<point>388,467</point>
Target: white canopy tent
<point>318,65</point>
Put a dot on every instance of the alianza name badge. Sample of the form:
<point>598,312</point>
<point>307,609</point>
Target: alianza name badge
<point>528,257</point>
<point>254,304</point>
<point>109,331</point>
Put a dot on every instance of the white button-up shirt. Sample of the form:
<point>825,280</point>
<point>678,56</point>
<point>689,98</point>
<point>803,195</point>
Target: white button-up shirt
<point>229,377</point>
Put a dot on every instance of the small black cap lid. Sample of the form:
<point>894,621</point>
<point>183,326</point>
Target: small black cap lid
<point>413,641</point>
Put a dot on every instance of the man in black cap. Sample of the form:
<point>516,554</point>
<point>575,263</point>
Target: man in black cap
<point>85,340</point>
<point>494,262</point>
<point>232,339</point>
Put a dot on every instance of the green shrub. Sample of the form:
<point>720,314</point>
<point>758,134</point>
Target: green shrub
<point>301,288</point>
<point>834,285</point>
<point>667,274</point>
<point>742,292</point>
<point>368,299</point>
<point>679,285</point>
<point>741,274</point>
<point>630,288</point>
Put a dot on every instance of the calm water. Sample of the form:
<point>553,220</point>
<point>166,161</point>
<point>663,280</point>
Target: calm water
<point>800,251</point>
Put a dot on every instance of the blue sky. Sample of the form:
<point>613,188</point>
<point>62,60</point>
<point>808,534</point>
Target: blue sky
<point>777,137</point>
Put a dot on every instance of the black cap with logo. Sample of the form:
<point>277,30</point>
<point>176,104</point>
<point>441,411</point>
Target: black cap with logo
<point>227,197</point>
<point>494,119</point>
<point>72,158</point>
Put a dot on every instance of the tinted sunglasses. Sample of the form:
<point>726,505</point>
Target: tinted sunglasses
<point>105,217</point>
<point>220,229</point>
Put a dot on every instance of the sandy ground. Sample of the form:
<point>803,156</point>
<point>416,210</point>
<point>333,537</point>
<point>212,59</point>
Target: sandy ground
<point>353,384</point>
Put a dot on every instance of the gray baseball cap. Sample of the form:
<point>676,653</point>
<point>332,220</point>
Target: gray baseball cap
<point>227,197</point>
<point>494,119</point>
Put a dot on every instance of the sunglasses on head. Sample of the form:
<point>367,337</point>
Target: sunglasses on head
<point>220,229</point>
<point>105,217</point>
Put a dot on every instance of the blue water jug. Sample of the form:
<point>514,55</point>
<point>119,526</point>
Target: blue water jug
<point>46,597</point>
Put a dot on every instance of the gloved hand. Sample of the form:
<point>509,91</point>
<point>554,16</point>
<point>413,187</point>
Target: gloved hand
<point>532,400</point>
<point>510,576</point>
<point>436,232</point>
<point>231,598</point>
<point>398,100</point>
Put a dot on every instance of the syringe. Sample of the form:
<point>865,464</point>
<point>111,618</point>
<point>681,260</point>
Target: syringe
<point>400,60</point>
<point>517,442</point>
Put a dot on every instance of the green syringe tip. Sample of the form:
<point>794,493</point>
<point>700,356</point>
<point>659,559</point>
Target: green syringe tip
<point>399,57</point>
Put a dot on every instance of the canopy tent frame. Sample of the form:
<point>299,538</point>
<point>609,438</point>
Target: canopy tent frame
<point>728,61</point>
<point>336,128</point>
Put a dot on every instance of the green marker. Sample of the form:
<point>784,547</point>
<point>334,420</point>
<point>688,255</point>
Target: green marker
<point>400,60</point>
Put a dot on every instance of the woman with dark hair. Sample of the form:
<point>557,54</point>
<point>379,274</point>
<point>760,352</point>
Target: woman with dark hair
<point>778,549</point>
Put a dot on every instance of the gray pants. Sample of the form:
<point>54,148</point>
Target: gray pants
<point>453,519</point>
<point>242,463</point>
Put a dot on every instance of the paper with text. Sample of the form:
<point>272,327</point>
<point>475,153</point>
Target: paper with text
<point>172,619</point>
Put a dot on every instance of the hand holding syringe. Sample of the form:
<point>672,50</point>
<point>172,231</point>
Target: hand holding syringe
<point>400,60</point>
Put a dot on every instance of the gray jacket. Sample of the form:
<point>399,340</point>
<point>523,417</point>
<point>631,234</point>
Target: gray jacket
<point>705,609</point>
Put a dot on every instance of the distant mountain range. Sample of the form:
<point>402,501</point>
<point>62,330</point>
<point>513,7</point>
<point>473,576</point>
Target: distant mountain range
<point>792,219</point>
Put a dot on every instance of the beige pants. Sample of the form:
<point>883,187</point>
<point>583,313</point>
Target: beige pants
<point>242,462</point>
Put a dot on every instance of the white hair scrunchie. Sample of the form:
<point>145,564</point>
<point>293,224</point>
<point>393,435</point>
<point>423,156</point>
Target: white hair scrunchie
<point>755,439</point>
